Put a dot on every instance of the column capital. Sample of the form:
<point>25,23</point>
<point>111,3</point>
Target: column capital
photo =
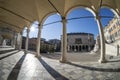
<point>97,16</point>
<point>39,26</point>
<point>64,19</point>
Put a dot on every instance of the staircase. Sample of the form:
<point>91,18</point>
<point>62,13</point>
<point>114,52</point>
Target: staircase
<point>6,52</point>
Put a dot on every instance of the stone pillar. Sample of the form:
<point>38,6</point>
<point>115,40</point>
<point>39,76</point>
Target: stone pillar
<point>13,40</point>
<point>74,48</point>
<point>102,40</point>
<point>16,41</point>
<point>12,43</point>
<point>26,43</point>
<point>117,50</point>
<point>20,45</point>
<point>78,47</point>
<point>89,47</point>
<point>88,42</point>
<point>38,42</point>
<point>3,43</point>
<point>64,41</point>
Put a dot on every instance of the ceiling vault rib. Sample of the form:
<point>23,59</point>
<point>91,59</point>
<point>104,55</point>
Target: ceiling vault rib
<point>84,17</point>
<point>10,24</point>
<point>53,6</point>
<point>15,14</point>
<point>51,23</point>
<point>100,3</point>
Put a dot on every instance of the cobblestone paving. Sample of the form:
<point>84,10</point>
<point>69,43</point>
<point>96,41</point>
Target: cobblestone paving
<point>51,69</point>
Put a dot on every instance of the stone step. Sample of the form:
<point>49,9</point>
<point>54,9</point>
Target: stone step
<point>5,50</point>
<point>5,55</point>
<point>5,46</point>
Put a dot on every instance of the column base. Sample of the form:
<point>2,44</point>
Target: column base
<point>25,52</point>
<point>37,56</point>
<point>102,60</point>
<point>63,60</point>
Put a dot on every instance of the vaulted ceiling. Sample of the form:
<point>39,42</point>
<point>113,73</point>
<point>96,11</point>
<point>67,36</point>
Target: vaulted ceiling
<point>16,14</point>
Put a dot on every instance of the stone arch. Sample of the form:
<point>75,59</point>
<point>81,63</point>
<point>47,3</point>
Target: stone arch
<point>79,6</point>
<point>73,48</point>
<point>83,47</point>
<point>76,48</point>
<point>47,15</point>
<point>79,47</point>
<point>111,9</point>
<point>86,47</point>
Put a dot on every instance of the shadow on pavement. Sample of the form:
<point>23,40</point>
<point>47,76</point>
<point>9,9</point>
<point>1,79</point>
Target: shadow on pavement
<point>15,71</point>
<point>95,68</point>
<point>114,61</point>
<point>8,55</point>
<point>53,72</point>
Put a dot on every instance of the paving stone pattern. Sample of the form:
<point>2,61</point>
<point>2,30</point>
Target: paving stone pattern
<point>32,68</point>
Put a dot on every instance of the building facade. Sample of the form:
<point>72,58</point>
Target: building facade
<point>46,46</point>
<point>80,42</point>
<point>32,44</point>
<point>56,43</point>
<point>112,30</point>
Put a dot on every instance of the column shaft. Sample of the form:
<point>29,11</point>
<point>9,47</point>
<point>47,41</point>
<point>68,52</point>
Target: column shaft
<point>13,40</point>
<point>64,41</point>
<point>102,40</point>
<point>26,43</point>
<point>20,41</point>
<point>38,42</point>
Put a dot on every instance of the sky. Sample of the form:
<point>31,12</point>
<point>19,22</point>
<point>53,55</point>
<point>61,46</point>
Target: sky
<point>86,25</point>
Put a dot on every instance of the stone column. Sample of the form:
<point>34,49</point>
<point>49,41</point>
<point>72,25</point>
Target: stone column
<point>102,40</point>
<point>89,47</point>
<point>20,45</point>
<point>13,40</point>
<point>117,50</point>
<point>26,43</point>
<point>3,43</point>
<point>16,41</point>
<point>68,48</point>
<point>64,41</point>
<point>38,42</point>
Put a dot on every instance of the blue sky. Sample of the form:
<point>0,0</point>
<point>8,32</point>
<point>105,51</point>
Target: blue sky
<point>89,25</point>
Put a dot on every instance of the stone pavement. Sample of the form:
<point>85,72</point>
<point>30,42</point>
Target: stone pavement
<point>7,63</point>
<point>27,67</point>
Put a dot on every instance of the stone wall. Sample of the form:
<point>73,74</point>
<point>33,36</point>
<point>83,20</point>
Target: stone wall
<point>112,50</point>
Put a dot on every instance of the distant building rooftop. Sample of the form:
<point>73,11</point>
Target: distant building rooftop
<point>81,33</point>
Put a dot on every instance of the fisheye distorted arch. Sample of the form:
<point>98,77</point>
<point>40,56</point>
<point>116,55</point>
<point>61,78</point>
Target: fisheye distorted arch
<point>75,7</point>
<point>47,16</point>
<point>81,7</point>
<point>111,9</point>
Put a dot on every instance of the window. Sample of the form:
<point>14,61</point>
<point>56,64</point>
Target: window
<point>78,41</point>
